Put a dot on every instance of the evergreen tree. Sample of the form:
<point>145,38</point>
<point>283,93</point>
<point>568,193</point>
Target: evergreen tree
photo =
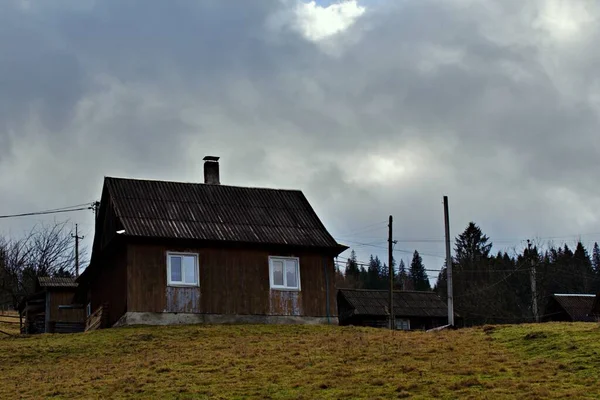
<point>418,274</point>
<point>596,267</point>
<point>352,273</point>
<point>472,279</point>
<point>374,273</point>
<point>583,267</point>
<point>472,245</point>
<point>596,259</point>
<point>402,276</point>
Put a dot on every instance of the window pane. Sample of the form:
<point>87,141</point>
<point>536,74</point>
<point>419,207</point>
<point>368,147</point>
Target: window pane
<point>176,269</point>
<point>291,274</point>
<point>278,273</point>
<point>189,268</point>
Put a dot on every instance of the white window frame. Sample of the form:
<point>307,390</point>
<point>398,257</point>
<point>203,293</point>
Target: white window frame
<point>284,259</point>
<point>403,321</point>
<point>182,284</point>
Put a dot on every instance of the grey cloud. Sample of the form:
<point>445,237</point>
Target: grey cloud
<point>500,116</point>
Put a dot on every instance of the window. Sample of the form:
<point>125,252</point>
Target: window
<point>89,309</point>
<point>402,324</point>
<point>284,273</point>
<point>182,269</point>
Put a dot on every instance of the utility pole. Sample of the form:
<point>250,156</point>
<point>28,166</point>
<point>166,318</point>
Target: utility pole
<point>533,278</point>
<point>95,206</point>
<point>448,264</point>
<point>77,238</point>
<point>391,273</point>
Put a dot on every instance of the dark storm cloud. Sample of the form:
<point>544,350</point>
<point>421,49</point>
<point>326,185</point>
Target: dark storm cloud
<point>477,100</point>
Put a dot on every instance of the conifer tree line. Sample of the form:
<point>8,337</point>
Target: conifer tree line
<point>375,274</point>
<point>490,288</point>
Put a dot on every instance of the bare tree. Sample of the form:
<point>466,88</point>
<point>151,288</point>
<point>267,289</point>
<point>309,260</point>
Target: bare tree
<point>47,250</point>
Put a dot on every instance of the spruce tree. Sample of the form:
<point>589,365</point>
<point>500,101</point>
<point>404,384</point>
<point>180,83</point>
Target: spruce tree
<point>596,258</point>
<point>374,273</point>
<point>583,268</point>
<point>402,276</point>
<point>352,273</point>
<point>418,273</point>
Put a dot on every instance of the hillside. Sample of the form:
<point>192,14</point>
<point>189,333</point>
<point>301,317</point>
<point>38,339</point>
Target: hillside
<point>277,362</point>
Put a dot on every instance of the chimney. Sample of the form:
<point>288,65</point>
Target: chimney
<point>211,170</point>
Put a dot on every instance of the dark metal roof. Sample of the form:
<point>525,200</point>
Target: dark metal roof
<point>47,281</point>
<point>406,303</point>
<point>578,306</point>
<point>217,213</point>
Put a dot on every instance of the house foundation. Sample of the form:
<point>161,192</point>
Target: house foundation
<point>166,318</point>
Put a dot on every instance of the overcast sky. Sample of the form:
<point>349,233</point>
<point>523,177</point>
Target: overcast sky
<point>371,108</point>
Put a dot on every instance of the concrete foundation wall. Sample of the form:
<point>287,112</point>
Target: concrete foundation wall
<point>149,318</point>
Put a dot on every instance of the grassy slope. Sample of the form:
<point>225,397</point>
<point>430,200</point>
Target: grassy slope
<point>11,328</point>
<point>558,360</point>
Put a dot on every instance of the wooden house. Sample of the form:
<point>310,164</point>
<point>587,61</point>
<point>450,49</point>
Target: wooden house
<point>174,252</point>
<point>50,309</point>
<point>570,307</point>
<point>413,310</point>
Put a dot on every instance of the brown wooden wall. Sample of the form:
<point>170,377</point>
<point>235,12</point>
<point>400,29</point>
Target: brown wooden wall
<point>232,281</point>
<point>64,297</point>
<point>110,285</point>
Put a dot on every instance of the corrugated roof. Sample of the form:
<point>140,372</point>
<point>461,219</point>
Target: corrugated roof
<point>578,306</point>
<point>216,213</point>
<point>47,281</point>
<point>406,303</point>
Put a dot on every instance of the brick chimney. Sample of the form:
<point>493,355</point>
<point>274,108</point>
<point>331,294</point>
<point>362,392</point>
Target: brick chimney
<point>211,170</point>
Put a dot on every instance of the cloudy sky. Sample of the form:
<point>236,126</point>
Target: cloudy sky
<point>371,107</point>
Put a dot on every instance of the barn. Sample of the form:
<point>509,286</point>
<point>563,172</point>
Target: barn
<point>50,309</point>
<point>175,252</point>
<point>570,307</point>
<point>413,310</point>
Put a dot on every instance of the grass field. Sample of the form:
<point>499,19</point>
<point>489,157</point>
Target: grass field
<point>9,322</point>
<point>305,362</point>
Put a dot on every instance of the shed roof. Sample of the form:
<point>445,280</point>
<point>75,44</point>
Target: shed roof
<point>406,303</point>
<point>162,209</point>
<point>578,306</point>
<point>47,281</point>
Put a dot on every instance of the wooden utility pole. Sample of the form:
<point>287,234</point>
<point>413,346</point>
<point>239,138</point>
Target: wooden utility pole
<point>77,238</point>
<point>448,264</point>
<point>96,207</point>
<point>532,276</point>
<point>391,273</point>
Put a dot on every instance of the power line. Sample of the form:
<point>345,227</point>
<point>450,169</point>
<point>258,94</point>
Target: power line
<point>78,207</point>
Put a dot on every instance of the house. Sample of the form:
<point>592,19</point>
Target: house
<point>413,310</point>
<point>174,252</point>
<point>50,308</point>
<point>570,307</point>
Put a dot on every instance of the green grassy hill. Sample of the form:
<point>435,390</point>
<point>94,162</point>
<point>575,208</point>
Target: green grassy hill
<point>305,362</point>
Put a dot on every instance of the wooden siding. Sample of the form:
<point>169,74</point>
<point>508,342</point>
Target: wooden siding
<point>232,281</point>
<point>110,285</point>
<point>183,299</point>
<point>59,298</point>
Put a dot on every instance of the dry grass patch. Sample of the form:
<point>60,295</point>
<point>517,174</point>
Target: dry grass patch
<point>281,362</point>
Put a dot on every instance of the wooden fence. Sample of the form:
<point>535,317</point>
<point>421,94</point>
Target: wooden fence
<point>98,319</point>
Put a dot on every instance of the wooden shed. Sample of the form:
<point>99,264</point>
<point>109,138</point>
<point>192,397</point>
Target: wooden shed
<point>413,310</point>
<point>175,252</point>
<point>571,308</point>
<point>50,309</point>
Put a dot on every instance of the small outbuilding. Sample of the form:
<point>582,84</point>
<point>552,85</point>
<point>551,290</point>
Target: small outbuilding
<point>413,310</point>
<point>570,307</point>
<point>50,308</point>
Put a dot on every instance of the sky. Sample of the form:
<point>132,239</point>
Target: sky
<point>372,108</point>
